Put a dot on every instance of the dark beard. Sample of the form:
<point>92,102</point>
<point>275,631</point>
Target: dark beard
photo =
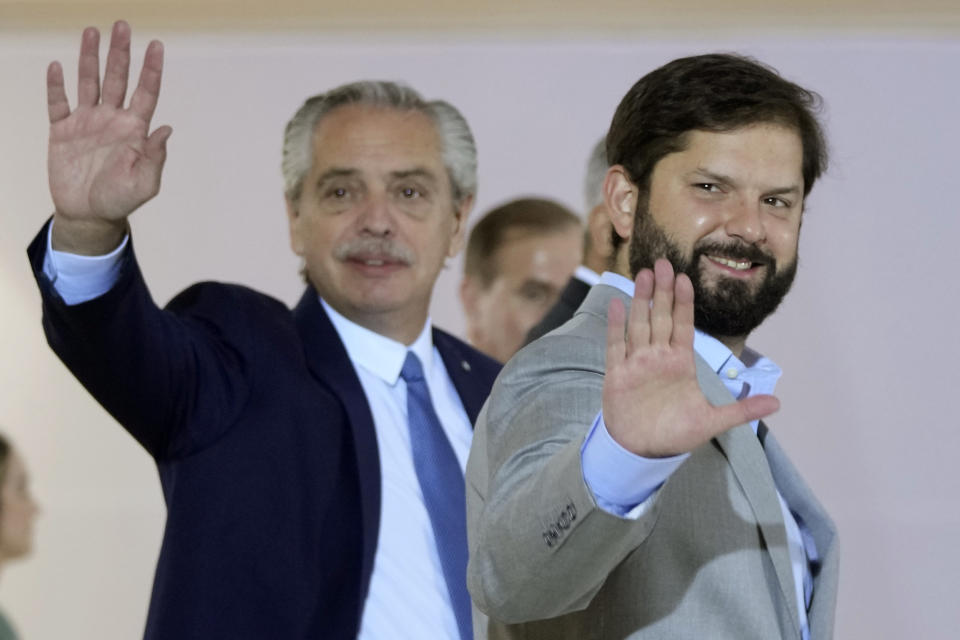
<point>728,308</point>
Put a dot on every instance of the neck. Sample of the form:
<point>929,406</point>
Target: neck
<point>596,263</point>
<point>401,326</point>
<point>621,265</point>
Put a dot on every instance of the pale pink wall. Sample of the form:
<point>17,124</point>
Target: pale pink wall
<point>866,339</point>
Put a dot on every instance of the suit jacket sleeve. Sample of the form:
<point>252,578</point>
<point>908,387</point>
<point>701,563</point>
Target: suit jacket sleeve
<point>174,378</point>
<point>540,547</point>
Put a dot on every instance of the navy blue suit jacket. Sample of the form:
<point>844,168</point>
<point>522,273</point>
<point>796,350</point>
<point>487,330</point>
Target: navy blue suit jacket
<point>264,443</point>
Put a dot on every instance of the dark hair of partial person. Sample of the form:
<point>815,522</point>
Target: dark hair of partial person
<point>713,92</point>
<point>458,148</point>
<point>518,219</point>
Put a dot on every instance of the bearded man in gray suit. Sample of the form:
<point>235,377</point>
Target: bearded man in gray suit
<point>621,483</point>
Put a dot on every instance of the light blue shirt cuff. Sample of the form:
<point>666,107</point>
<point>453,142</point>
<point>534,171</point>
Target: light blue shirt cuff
<point>81,278</point>
<point>621,482</point>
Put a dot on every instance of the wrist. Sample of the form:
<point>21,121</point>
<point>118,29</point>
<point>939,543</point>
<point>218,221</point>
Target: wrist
<point>86,237</point>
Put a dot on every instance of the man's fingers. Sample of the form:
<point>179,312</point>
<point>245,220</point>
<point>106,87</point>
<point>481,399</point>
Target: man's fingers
<point>145,96</point>
<point>88,68</point>
<point>638,330</point>
<point>616,325</point>
<point>118,65</point>
<point>682,312</point>
<point>661,313</point>
<point>58,107</point>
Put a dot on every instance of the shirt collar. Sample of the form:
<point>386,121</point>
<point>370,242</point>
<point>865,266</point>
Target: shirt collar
<point>378,354</point>
<point>715,353</point>
<point>587,275</point>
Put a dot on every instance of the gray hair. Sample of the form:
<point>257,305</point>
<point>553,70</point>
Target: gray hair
<point>459,151</point>
<point>597,167</point>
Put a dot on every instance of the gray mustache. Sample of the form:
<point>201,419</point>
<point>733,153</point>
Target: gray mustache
<point>374,248</point>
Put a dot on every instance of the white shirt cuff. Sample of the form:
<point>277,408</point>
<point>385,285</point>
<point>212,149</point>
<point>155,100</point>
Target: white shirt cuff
<point>622,482</point>
<point>81,278</point>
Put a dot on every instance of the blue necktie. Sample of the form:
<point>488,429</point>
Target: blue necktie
<point>441,482</point>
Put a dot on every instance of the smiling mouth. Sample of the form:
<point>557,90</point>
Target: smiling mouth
<point>377,265</point>
<point>736,265</point>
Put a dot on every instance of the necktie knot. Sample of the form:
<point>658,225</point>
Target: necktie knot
<point>411,371</point>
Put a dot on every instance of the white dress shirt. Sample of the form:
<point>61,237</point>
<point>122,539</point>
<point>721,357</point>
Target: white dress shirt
<point>408,595</point>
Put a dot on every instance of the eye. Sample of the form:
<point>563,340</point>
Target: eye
<point>409,193</point>
<point>709,187</point>
<point>776,202</point>
<point>535,293</point>
<point>337,193</point>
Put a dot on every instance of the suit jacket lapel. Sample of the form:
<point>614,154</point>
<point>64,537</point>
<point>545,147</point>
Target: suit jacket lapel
<point>328,361</point>
<point>802,501</point>
<point>749,464</point>
<point>472,394</point>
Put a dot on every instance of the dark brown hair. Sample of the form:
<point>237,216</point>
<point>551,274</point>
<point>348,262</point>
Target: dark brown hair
<point>714,92</point>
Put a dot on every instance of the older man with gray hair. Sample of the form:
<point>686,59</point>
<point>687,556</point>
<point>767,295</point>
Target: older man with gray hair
<point>311,461</point>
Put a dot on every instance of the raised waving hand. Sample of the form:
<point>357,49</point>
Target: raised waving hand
<point>103,161</point>
<point>652,403</point>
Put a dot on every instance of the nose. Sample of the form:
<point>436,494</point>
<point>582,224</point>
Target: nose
<point>376,218</point>
<point>745,221</point>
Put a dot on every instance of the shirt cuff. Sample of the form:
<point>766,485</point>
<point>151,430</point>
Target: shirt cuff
<point>82,278</point>
<point>622,482</point>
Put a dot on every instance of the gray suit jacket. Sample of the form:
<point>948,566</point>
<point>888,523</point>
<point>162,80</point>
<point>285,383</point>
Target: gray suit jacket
<point>707,558</point>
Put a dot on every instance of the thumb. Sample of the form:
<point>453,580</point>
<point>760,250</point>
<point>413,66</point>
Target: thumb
<point>744,411</point>
<point>156,147</point>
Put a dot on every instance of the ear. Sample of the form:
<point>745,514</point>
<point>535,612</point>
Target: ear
<point>598,226</point>
<point>294,220</point>
<point>620,196</point>
<point>460,213</point>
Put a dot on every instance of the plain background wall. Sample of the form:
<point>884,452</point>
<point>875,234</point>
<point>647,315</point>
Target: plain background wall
<point>866,338</point>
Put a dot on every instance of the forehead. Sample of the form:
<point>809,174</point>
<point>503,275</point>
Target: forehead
<point>369,138</point>
<point>524,249</point>
<point>767,152</point>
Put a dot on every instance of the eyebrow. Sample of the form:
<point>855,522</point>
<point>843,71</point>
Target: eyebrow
<point>719,177</point>
<point>336,172</point>
<point>417,172</point>
<point>340,172</point>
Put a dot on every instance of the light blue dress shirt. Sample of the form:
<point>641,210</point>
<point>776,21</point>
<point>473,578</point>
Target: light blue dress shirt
<point>622,482</point>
